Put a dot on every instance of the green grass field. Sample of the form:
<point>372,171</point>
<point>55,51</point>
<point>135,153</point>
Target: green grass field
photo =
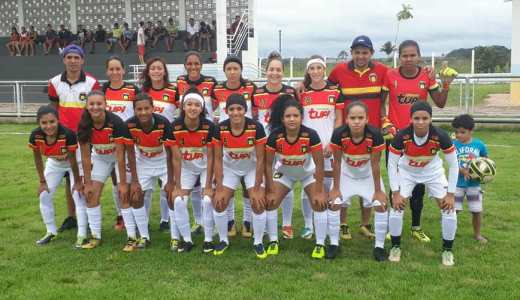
<point>58,271</point>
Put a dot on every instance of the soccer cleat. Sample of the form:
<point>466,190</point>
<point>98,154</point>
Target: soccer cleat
<point>80,241</point>
<point>379,254</point>
<point>164,226</point>
<point>318,252</point>
<point>306,233</point>
<point>447,258</point>
<point>142,243</point>
<point>232,229</point>
<point>246,230</point>
<point>47,238</point>
<point>395,254</point>
<point>196,229</point>
<point>345,232</point>
<point>260,251</point>
<point>365,230</point>
<point>332,251</point>
<point>287,232</point>
<point>220,248</point>
<point>92,243</point>
<point>185,247</point>
<point>174,245</point>
<point>130,245</point>
<point>208,247</point>
<point>68,223</point>
<point>120,224</point>
<point>418,234</point>
<point>272,248</point>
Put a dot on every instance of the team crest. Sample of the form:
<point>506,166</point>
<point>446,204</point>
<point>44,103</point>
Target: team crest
<point>225,142</point>
<point>83,97</point>
<point>369,149</point>
<point>304,148</point>
<point>433,151</point>
<point>308,101</point>
<point>246,96</point>
<point>126,97</point>
<point>63,150</point>
<point>166,98</point>
<point>372,77</point>
<point>250,141</point>
<point>205,92</point>
<point>422,84</point>
<point>181,142</point>
<point>332,99</point>
<point>203,141</point>
<point>263,102</point>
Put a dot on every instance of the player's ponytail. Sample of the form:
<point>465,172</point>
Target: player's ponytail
<point>278,108</point>
<point>313,59</point>
<point>85,123</point>
<point>272,57</point>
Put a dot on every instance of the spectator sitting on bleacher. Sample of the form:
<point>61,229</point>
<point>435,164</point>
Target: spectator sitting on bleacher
<point>33,39</point>
<point>171,28</point>
<point>126,39</point>
<point>117,33</point>
<point>65,37</point>
<point>24,41</point>
<point>159,32</point>
<point>99,37</point>
<point>14,42</point>
<point>204,35</point>
<point>51,39</point>
<point>192,33</point>
<point>234,26</point>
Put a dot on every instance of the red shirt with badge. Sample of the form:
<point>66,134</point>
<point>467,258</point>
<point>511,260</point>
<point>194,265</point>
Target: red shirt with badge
<point>205,86</point>
<point>66,142</point>
<point>263,99</point>
<point>222,92</point>
<point>114,131</point>
<point>165,101</point>
<point>121,101</point>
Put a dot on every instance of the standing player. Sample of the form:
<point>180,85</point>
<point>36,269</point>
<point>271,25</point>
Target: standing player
<point>192,158</point>
<point>239,160</point>
<point>414,159</point>
<point>235,84</point>
<point>357,153</point>
<point>141,43</point>
<point>205,86</point>
<point>156,83</point>
<point>404,86</point>
<point>59,144</point>
<point>298,151</point>
<point>119,96</point>
<point>101,136</point>
<point>68,93</point>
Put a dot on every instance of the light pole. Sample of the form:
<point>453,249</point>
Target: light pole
<point>280,41</point>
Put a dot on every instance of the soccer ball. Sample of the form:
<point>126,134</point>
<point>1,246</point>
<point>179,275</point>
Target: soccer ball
<point>449,72</point>
<point>482,169</point>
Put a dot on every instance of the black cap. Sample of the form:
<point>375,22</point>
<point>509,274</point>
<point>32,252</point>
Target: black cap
<point>236,99</point>
<point>363,41</point>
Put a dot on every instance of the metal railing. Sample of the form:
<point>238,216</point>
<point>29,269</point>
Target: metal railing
<point>236,39</point>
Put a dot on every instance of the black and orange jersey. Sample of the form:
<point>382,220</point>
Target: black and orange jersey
<point>205,86</point>
<point>295,159</point>
<point>263,99</point>
<point>356,156</point>
<point>113,131</point>
<point>193,144</point>
<point>66,142</point>
<point>239,150</point>
<point>165,101</point>
<point>150,144</point>
<point>121,101</point>
<point>421,159</point>
<point>222,92</point>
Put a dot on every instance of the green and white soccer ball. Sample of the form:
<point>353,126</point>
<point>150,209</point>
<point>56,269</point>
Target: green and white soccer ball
<point>482,169</point>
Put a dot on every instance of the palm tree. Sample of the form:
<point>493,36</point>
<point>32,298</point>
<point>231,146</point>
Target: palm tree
<point>402,15</point>
<point>387,48</point>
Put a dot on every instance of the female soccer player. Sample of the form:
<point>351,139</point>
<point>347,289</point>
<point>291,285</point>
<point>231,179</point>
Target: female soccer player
<point>236,84</point>
<point>59,144</point>
<point>148,162</point>
<point>414,159</point>
<point>298,153</point>
<point>404,86</point>
<point>155,82</point>
<point>101,136</point>
<point>357,149</point>
<point>239,157</point>
<point>192,158</point>
<point>119,96</point>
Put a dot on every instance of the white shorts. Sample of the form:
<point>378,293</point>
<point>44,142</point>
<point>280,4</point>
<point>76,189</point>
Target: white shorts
<point>232,179</point>
<point>54,173</point>
<point>148,176</point>
<point>189,178</point>
<point>78,160</point>
<point>473,195</point>
<point>102,167</point>
<point>437,186</point>
<point>362,187</point>
<point>289,181</point>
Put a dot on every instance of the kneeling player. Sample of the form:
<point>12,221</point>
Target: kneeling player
<point>238,155</point>
<point>419,145</point>
<point>357,152</point>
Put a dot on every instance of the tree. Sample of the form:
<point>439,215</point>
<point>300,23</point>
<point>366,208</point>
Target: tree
<point>402,15</point>
<point>387,48</point>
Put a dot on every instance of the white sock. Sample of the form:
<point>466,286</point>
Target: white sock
<point>320,223</point>
<point>380,228</point>
<point>287,209</point>
<point>448,225</point>
<point>230,210</point>
<point>47,211</point>
<point>207,218</point>
<point>164,206</point>
<point>307,212</point>
<point>333,226</point>
<point>182,218</point>
<point>259,223</point>
<point>115,197</point>
<point>221,220</point>
<point>196,203</point>
<point>174,231</point>
<point>128,218</point>
<point>141,219</point>
<point>81,213</point>
<point>94,221</point>
<point>148,201</point>
<point>247,210</point>
<point>395,222</point>
<point>272,224</point>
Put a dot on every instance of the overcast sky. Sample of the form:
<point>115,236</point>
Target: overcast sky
<point>327,26</point>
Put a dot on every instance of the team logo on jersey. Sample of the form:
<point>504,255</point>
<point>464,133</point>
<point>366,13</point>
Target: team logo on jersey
<point>83,97</point>
<point>205,92</point>
<point>369,149</point>
<point>225,142</point>
<point>63,150</point>
<point>422,84</point>
<point>250,141</point>
<point>166,98</point>
<point>332,99</point>
<point>203,141</point>
<point>372,77</point>
<point>263,102</point>
<point>308,100</point>
<point>433,151</point>
<point>126,96</point>
<point>181,142</point>
<point>304,148</point>
<point>246,96</point>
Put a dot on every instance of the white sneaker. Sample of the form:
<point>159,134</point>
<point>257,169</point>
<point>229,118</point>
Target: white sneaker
<point>447,258</point>
<point>395,254</point>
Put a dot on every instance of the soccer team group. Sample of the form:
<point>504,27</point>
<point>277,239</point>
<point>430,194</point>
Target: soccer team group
<point>200,140</point>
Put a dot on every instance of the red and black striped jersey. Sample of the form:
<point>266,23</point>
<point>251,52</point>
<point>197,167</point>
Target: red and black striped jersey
<point>121,101</point>
<point>150,144</point>
<point>222,92</point>
<point>66,142</point>
<point>205,86</point>
<point>112,132</point>
<point>263,99</point>
<point>295,159</point>
<point>165,101</point>
<point>356,156</point>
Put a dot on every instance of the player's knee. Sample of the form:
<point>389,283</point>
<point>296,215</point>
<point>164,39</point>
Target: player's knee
<point>180,203</point>
<point>449,215</point>
<point>395,214</point>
